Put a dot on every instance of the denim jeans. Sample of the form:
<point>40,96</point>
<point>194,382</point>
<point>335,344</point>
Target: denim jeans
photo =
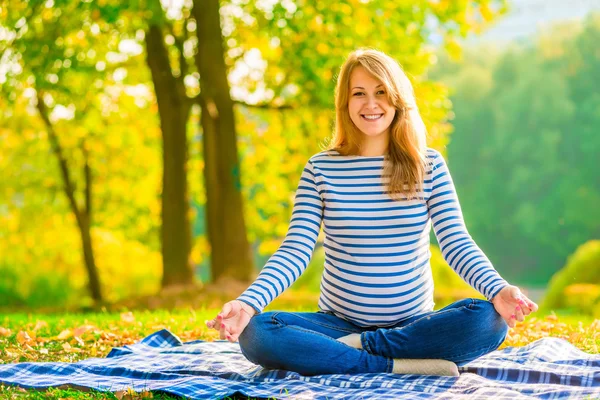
<point>305,342</point>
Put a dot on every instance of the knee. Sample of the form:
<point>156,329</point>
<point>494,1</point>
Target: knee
<point>252,339</point>
<point>495,325</point>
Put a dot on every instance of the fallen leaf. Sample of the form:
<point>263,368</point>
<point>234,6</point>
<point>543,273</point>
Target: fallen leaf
<point>39,325</point>
<point>67,333</point>
<point>79,331</point>
<point>128,317</point>
<point>23,338</point>
<point>43,351</point>
<point>107,335</point>
<point>67,347</point>
<point>79,341</point>
<point>5,332</point>
<point>10,354</point>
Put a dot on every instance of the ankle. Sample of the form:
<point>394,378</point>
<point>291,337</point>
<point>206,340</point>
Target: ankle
<point>352,340</point>
<point>425,366</point>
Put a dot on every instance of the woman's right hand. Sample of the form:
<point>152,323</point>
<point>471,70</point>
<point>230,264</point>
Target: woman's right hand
<point>232,320</point>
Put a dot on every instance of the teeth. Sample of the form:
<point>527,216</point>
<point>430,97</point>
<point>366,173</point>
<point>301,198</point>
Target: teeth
<point>372,117</point>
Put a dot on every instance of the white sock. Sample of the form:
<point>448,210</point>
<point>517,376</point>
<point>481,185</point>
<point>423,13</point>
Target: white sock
<point>419,366</point>
<point>352,340</point>
<point>425,366</point>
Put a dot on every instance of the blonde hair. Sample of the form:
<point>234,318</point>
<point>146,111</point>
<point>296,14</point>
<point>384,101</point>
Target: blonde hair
<point>407,145</point>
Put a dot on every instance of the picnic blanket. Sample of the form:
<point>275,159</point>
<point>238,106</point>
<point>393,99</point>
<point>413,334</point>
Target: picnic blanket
<point>549,368</point>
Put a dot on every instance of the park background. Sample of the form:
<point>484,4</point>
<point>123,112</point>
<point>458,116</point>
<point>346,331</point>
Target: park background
<point>149,152</point>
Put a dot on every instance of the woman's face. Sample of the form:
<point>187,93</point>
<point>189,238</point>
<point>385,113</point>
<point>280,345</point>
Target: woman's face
<point>368,104</point>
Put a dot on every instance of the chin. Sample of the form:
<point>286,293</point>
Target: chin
<point>372,133</point>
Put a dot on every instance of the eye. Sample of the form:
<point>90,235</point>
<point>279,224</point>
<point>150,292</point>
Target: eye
<point>381,92</point>
<point>357,93</point>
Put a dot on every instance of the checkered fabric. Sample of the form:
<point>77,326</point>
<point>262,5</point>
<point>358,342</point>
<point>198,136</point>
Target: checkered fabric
<point>549,368</point>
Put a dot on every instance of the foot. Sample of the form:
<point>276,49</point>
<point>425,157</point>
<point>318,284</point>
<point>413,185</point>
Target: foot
<point>425,366</point>
<point>352,340</point>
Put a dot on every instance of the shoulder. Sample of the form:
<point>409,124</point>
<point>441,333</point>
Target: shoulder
<point>433,154</point>
<point>434,158</point>
<point>322,157</point>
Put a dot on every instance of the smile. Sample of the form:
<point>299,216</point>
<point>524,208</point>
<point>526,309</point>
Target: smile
<point>371,117</point>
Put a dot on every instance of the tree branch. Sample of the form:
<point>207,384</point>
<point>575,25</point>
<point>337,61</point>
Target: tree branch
<point>198,100</point>
<point>69,188</point>
<point>88,181</point>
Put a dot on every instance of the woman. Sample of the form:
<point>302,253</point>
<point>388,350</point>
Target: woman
<point>376,190</point>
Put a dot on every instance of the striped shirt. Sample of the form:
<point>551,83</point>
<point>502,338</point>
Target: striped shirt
<point>377,269</point>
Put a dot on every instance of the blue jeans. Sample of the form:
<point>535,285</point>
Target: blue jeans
<point>305,342</point>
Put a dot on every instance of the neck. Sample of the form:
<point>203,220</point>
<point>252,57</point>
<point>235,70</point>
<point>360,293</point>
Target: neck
<point>375,146</point>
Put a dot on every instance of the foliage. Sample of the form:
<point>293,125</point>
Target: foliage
<point>576,285</point>
<point>524,153</point>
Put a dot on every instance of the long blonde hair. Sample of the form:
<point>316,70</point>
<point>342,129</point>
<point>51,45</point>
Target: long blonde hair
<point>407,145</point>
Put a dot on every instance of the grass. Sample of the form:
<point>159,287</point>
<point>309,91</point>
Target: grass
<point>26,337</point>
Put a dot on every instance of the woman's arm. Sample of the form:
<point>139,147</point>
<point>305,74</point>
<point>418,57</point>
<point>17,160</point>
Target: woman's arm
<point>458,248</point>
<point>283,267</point>
<point>291,259</point>
<point>462,253</point>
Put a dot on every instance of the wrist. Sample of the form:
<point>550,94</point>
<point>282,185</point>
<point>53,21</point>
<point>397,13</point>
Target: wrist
<point>248,309</point>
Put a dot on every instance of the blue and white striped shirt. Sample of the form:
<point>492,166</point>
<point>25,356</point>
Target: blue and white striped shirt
<point>377,269</point>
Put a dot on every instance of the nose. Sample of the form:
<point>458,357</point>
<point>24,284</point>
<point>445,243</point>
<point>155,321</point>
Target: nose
<point>370,103</point>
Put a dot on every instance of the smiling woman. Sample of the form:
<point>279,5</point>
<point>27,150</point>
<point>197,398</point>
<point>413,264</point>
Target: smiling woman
<point>377,191</point>
<point>377,114</point>
<point>371,111</point>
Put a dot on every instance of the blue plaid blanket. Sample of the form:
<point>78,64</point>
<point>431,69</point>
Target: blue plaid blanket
<point>549,368</point>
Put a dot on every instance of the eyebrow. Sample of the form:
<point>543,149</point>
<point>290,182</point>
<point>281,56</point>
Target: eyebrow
<point>359,87</point>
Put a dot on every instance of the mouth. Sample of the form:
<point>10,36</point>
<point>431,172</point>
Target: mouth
<point>371,117</point>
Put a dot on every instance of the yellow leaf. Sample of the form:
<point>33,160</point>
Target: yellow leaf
<point>128,317</point>
<point>67,333</point>
<point>5,332</point>
<point>82,329</point>
<point>67,347</point>
<point>40,325</point>
<point>23,338</point>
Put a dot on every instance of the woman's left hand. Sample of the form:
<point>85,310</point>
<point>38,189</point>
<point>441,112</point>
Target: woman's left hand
<point>512,305</point>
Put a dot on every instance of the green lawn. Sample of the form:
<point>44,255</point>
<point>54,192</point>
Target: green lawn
<point>72,337</point>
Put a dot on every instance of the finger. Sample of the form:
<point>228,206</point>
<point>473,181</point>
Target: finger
<point>515,294</point>
<point>524,307</point>
<point>232,338</point>
<point>210,323</point>
<point>519,314</point>
<point>511,321</point>
<point>229,310</point>
<point>223,331</point>
<point>532,305</point>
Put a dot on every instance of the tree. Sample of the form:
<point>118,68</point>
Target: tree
<point>230,250</point>
<point>174,109</point>
<point>34,44</point>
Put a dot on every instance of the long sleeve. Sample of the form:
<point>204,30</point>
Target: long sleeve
<point>291,259</point>
<point>458,248</point>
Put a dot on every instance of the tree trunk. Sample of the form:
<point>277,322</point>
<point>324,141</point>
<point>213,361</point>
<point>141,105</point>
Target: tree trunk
<point>83,216</point>
<point>173,109</point>
<point>230,250</point>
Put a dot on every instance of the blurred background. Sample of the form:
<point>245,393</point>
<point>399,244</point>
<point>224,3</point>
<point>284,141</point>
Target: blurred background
<point>149,151</point>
